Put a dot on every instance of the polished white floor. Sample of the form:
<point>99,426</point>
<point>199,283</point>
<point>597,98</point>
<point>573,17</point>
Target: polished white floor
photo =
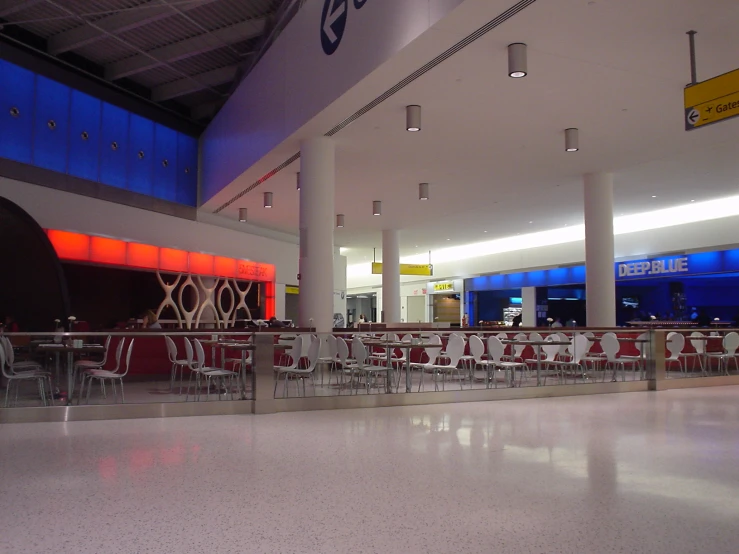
<point>639,472</point>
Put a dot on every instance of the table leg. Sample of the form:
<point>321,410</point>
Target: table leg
<point>408,379</point>
<point>538,365</point>
<point>389,378</point>
<point>242,374</point>
<point>70,377</point>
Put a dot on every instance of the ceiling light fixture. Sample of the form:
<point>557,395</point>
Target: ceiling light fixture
<point>517,63</point>
<point>654,196</point>
<point>267,199</point>
<point>413,118</point>
<point>242,215</point>
<point>376,207</point>
<point>572,140</point>
<point>339,221</point>
<point>423,191</point>
<point>297,179</point>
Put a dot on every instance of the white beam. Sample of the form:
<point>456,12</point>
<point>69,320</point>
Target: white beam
<point>185,49</point>
<point>125,20</point>
<point>9,7</point>
<point>197,82</point>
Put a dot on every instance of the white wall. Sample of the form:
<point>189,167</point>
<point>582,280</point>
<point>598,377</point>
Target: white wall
<point>691,236</point>
<point>54,209</point>
<point>340,284</point>
<point>295,80</point>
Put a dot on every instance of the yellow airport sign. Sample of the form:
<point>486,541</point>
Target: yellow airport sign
<point>443,286</point>
<point>292,290</point>
<point>406,269</point>
<point>712,101</point>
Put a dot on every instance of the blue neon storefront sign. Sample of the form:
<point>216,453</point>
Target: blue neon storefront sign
<point>701,263</point>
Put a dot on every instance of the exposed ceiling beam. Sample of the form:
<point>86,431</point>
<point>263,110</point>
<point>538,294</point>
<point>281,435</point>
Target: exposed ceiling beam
<point>125,20</point>
<point>198,82</point>
<point>9,7</point>
<point>207,110</point>
<point>186,48</point>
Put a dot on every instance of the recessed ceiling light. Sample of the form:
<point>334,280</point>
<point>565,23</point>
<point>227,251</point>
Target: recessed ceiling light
<point>692,200</point>
<point>530,221</point>
<point>654,196</point>
<point>484,231</point>
<point>448,239</point>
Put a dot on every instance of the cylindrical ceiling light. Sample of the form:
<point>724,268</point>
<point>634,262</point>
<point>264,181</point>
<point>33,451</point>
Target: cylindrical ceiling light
<point>376,207</point>
<point>413,118</point>
<point>423,191</point>
<point>267,199</point>
<point>517,64</point>
<point>298,180</point>
<point>242,215</point>
<point>572,140</point>
<point>339,221</point>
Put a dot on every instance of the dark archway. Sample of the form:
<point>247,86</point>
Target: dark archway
<point>32,284</point>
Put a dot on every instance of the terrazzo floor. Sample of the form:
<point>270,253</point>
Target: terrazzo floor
<point>637,472</point>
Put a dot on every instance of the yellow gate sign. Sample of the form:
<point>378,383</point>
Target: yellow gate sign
<point>712,101</point>
<point>406,269</point>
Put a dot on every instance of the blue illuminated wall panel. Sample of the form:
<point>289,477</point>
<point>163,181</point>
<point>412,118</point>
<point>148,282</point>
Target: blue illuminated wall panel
<point>165,163</point>
<point>187,170</point>
<point>17,91</point>
<point>140,154</point>
<point>114,147</point>
<point>93,140</point>
<point>51,125</point>
<point>84,136</point>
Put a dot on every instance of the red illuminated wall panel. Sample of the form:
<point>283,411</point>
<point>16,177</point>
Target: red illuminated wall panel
<point>225,267</point>
<point>143,256</point>
<point>171,259</point>
<point>70,246</point>
<point>107,251</point>
<point>201,264</point>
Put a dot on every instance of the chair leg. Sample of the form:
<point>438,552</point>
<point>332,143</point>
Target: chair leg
<point>89,388</point>
<point>7,391</point>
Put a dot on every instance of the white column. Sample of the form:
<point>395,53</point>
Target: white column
<point>600,281</point>
<point>391,276</point>
<point>317,182</point>
<point>528,306</point>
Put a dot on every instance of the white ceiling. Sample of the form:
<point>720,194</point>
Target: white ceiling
<point>492,147</point>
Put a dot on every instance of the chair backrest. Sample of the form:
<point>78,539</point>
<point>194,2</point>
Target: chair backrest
<point>107,349</point>
<point>313,353</point>
<point>477,348</point>
<point>675,344</point>
<point>433,351</point>
<point>192,364</point>
<point>343,350</point>
<point>550,351</point>
<point>610,346</point>
<point>645,336</point>
<point>698,345</point>
<point>5,371</point>
<point>455,349</point>
<point>118,354</point>
<point>333,346</point>
<point>731,343</point>
<point>305,345</point>
<point>171,348</point>
<point>535,336</point>
<point>519,348</point>
<point>496,349</point>
<point>580,346</point>
<point>9,355</point>
<point>407,338</point>
<point>128,358</point>
<point>502,336</point>
<point>296,350</point>
<point>200,353</point>
<point>589,335</point>
<point>359,351</point>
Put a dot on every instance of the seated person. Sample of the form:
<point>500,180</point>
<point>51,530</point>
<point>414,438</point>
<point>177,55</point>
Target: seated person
<point>274,322</point>
<point>149,320</point>
<point>10,325</point>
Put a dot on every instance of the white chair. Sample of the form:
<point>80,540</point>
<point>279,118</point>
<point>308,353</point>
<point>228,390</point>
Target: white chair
<point>112,376</point>
<point>610,345</point>
<point>432,353</point>
<point>40,377</point>
<point>175,362</point>
<point>477,351</point>
<point>291,355</point>
<point>675,345</point>
<point>210,373</point>
<point>636,361</point>
<point>15,365</point>
<point>496,349</point>
<point>454,352</point>
<point>578,347</point>
<point>290,372</point>
<point>538,352</point>
<point>517,350</point>
<point>699,347</point>
<point>371,371</point>
<point>85,373</point>
<point>346,363</point>
<point>730,344</point>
